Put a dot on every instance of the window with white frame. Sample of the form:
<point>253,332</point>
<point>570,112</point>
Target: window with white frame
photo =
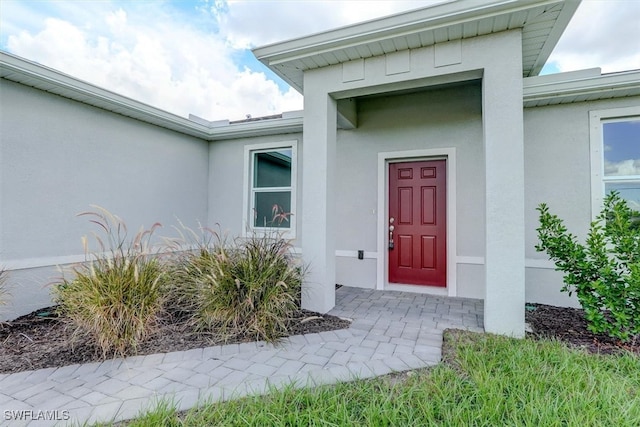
<point>270,173</point>
<point>615,150</point>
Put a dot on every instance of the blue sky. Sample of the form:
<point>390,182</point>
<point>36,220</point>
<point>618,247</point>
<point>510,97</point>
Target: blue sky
<point>194,56</point>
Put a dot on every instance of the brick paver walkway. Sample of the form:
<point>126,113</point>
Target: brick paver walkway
<point>391,331</point>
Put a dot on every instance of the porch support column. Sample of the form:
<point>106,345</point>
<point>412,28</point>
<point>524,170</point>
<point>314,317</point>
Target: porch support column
<point>504,180</point>
<point>318,203</point>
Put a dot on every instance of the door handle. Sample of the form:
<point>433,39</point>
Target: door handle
<point>391,228</point>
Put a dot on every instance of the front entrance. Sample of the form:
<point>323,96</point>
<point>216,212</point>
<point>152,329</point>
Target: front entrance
<point>417,223</point>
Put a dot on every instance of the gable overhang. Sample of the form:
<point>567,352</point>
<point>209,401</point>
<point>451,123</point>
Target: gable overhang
<point>542,22</point>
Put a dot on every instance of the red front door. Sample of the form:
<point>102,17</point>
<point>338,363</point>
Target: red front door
<point>417,212</point>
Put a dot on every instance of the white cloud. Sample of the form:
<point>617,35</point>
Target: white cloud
<point>623,168</point>
<point>249,24</point>
<point>163,62</point>
<point>183,56</point>
<point>602,34</point>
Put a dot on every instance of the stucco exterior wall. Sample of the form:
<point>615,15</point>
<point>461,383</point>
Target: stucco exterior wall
<point>59,157</point>
<point>502,153</point>
<point>226,192</point>
<point>437,118</point>
<point>558,172</point>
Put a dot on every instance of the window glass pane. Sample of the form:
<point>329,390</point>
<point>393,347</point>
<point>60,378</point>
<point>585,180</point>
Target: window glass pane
<point>630,191</point>
<point>272,209</point>
<point>272,169</point>
<point>621,148</point>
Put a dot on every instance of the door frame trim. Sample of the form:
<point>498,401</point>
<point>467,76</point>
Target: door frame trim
<point>384,158</point>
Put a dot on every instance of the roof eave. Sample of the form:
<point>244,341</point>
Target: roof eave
<point>258,128</point>
<point>16,69</point>
<point>406,23</point>
<point>433,16</point>
<point>562,21</point>
<point>72,88</point>
<point>538,92</point>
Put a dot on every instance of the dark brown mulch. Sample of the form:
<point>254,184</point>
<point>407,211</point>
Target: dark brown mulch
<point>569,325</point>
<point>42,340</point>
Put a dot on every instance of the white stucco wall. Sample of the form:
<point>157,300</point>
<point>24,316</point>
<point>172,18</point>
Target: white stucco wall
<point>502,143</point>
<point>558,172</point>
<point>59,157</point>
<point>437,118</point>
<point>226,192</point>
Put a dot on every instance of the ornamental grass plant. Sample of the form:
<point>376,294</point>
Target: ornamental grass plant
<point>116,296</point>
<point>247,288</point>
<point>188,270</point>
<point>4,287</point>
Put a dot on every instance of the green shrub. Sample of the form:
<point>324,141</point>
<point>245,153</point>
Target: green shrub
<point>605,272</point>
<point>117,294</point>
<point>249,288</point>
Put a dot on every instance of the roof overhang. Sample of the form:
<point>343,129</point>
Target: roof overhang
<point>35,75</point>
<point>542,23</point>
<point>561,88</point>
<point>579,86</point>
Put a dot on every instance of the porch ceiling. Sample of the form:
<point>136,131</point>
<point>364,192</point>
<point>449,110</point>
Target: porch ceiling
<point>542,23</point>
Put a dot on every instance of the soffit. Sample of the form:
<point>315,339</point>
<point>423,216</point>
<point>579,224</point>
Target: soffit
<point>541,21</point>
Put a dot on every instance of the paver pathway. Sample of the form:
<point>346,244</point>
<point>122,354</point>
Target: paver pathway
<point>391,331</point>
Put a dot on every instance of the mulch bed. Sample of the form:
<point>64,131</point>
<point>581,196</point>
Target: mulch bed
<point>42,340</point>
<point>569,325</point>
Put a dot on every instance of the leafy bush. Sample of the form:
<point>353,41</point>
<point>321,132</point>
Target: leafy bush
<point>605,272</point>
<point>116,295</point>
<point>249,288</point>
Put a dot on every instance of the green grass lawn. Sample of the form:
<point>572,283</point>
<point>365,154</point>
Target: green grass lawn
<point>485,380</point>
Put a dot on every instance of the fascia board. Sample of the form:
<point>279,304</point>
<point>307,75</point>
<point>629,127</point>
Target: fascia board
<point>122,104</point>
<point>556,91</point>
<point>566,76</point>
<point>88,93</point>
<point>431,18</point>
<point>261,128</point>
